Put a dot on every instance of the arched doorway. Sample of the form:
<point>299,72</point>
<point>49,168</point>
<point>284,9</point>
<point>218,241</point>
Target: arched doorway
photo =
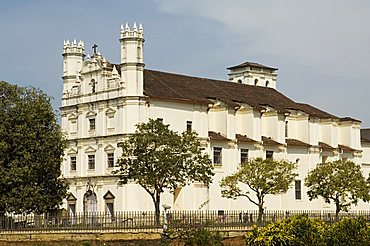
<point>90,202</point>
<point>90,207</point>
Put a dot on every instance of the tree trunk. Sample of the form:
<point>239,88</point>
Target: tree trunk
<point>260,212</point>
<point>260,209</point>
<point>337,210</point>
<point>157,202</point>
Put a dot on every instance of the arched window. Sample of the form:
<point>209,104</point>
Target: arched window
<point>255,81</point>
<point>267,83</point>
<point>92,84</point>
<point>138,52</point>
<point>240,81</point>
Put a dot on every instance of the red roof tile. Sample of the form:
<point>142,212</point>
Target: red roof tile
<point>244,139</point>
<point>365,135</point>
<point>217,136</point>
<point>346,148</point>
<point>201,90</point>
<point>296,142</point>
<point>269,141</point>
<point>326,147</point>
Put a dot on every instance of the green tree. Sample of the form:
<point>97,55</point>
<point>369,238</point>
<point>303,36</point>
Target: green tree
<point>31,151</point>
<point>260,177</point>
<point>158,158</point>
<point>340,182</point>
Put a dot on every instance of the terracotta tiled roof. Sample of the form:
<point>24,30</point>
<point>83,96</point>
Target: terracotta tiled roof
<point>244,139</point>
<point>201,90</point>
<point>346,148</point>
<point>269,141</point>
<point>217,136</point>
<point>365,135</point>
<point>296,142</point>
<point>251,64</point>
<point>325,146</point>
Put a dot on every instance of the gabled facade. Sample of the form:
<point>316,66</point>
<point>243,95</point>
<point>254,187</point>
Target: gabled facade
<point>236,120</point>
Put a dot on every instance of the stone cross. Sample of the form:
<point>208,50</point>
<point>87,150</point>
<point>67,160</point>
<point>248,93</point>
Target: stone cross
<point>94,48</point>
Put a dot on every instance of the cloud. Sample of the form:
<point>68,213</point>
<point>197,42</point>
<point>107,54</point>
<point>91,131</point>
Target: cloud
<point>321,47</point>
<point>328,33</point>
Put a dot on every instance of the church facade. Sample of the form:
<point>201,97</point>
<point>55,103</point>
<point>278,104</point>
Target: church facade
<point>243,118</point>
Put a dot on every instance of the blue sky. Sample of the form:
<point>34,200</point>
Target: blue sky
<point>322,48</point>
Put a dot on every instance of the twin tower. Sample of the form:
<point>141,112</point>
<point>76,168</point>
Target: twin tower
<point>77,66</point>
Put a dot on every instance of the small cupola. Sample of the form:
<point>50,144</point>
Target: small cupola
<point>252,73</point>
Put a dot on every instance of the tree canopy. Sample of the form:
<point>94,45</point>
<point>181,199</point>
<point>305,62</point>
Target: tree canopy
<point>158,158</point>
<point>31,151</point>
<point>261,177</point>
<point>341,182</point>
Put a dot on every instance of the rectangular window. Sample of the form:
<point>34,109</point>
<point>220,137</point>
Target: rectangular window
<point>110,122</point>
<point>92,124</point>
<point>110,209</point>
<point>91,162</point>
<point>72,209</point>
<point>73,126</point>
<point>269,154</point>
<point>243,156</point>
<point>217,156</point>
<point>110,158</point>
<point>298,190</point>
<point>189,126</point>
<point>73,163</point>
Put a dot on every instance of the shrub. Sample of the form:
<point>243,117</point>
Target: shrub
<point>298,230</point>
<point>196,235</point>
<point>348,232</point>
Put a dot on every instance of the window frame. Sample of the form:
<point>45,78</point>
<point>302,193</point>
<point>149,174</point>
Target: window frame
<point>92,124</point>
<point>268,152</point>
<point>217,159</point>
<point>244,152</point>
<point>110,159</point>
<point>189,126</point>
<point>73,164</point>
<point>298,189</point>
<point>91,162</point>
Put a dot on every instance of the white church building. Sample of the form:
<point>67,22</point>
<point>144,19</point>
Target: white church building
<point>244,117</point>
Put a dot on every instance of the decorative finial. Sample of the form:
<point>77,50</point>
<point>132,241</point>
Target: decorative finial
<point>140,28</point>
<point>127,27</point>
<point>114,72</point>
<point>74,44</point>
<point>122,29</point>
<point>67,42</point>
<point>135,28</point>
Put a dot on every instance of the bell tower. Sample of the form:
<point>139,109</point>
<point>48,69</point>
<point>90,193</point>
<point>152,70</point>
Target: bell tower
<point>132,65</point>
<point>73,56</point>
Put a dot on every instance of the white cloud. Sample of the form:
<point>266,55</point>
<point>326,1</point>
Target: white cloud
<point>330,33</point>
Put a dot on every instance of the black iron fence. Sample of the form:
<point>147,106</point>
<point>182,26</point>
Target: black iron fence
<point>137,221</point>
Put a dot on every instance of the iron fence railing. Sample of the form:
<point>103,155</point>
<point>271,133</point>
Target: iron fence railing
<point>145,220</point>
